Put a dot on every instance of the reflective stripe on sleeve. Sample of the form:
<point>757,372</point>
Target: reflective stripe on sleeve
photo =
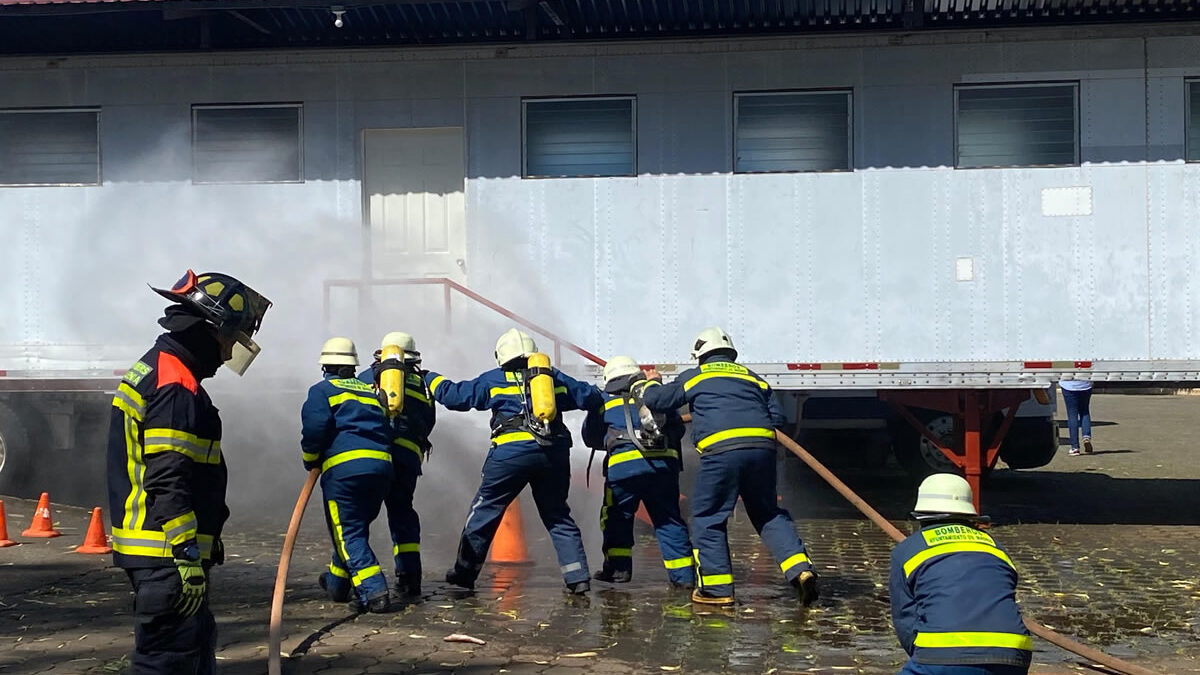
<point>974,639</point>
<point>437,382</point>
<point>179,530</point>
<point>729,434</point>
<point>914,562</point>
<point>130,402</point>
<point>153,543</point>
<point>195,448</point>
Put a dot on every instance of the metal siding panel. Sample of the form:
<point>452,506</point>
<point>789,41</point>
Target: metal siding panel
<point>665,73</point>
<point>565,76</point>
<point>1112,260</point>
<point>1174,249</point>
<point>838,326</point>
<point>796,69</point>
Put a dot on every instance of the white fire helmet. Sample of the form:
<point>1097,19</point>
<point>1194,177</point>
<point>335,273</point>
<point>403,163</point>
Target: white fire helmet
<point>945,493</point>
<point>620,366</point>
<point>710,340</point>
<point>339,351</point>
<point>514,344</point>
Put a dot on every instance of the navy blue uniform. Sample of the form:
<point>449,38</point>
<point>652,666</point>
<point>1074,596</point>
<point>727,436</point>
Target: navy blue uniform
<point>410,445</point>
<point>346,434</point>
<point>734,417</point>
<point>516,459</point>
<point>634,476</point>
<point>953,593</point>
<point>166,488</point>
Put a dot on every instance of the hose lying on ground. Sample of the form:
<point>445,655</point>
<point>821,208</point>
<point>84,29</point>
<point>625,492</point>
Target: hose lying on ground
<point>274,642</point>
<point>892,531</point>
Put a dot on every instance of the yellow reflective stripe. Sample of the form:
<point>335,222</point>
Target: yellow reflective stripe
<point>338,572</point>
<point>618,553</point>
<point>716,579</point>
<point>337,399</point>
<point>351,455</point>
<point>405,443</point>
<point>974,639</point>
<point>397,549</point>
<point>339,542</point>
<point>512,437</point>
<point>130,402</point>
<point>914,562</point>
<point>153,543</point>
<point>364,574</point>
<point>626,456</point>
<point>195,448</point>
<point>793,561</point>
<point>135,504</point>
<point>560,390</point>
<point>687,386</point>
<point>505,391</point>
<point>661,454</point>
<point>437,382</point>
<point>677,563</point>
<point>743,432</point>
<point>419,395</point>
<point>310,456</point>
<point>179,530</point>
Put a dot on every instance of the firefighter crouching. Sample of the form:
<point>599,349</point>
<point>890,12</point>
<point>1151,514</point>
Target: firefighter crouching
<point>167,475</point>
<point>641,466</point>
<point>346,434</point>
<point>530,446</point>
<point>953,590</point>
<point>412,422</point>
<point>734,417</point>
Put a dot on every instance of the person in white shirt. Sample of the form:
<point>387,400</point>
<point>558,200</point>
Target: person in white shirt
<point>1077,395</point>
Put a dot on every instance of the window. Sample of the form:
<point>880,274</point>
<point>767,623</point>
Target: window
<point>1016,125</point>
<point>579,137</point>
<point>1193,121</point>
<point>50,147</point>
<point>246,144</point>
<point>792,131</point>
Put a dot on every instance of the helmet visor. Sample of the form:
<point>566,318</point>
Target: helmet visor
<point>242,355</point>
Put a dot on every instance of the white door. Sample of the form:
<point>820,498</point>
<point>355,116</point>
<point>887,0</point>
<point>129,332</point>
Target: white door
<point>413,183</point>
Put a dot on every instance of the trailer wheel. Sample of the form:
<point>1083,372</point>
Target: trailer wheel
<point>917,456</point>
<point>15,452</point>
<point>1032,442</point>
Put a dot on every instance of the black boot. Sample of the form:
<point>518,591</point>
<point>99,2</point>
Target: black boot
<point>408,586</point>
<point>338,596</point>
<point>613,576</point>
<point>579,587</point>
<point>460,578</point>
<point>806,587</point>
<point>380,603</point>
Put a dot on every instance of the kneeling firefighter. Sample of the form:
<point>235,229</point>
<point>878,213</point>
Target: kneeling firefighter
<point>641,466</point>
<point>953,590</point>
<point>530,446</point>
<point>167,474</point>
<point>396,377</point>
<point>346,434</point>
<point>734,417</point>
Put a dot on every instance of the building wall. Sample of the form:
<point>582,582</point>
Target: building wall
<point>851,266</point>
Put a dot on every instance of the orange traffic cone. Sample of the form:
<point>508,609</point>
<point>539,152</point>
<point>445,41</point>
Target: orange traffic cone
<point>508,548</point>
<point>42,525</point>
<point>4,540</point>
<point>95,541</point>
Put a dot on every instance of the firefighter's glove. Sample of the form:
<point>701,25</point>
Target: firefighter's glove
<point>191,576</point>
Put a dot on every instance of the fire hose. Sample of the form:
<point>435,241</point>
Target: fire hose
<point>274,666</point>
<point>1044,632</point>
<point>274,642</point>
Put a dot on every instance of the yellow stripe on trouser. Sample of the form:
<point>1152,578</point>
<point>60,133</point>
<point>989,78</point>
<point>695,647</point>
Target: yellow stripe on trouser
<point>729,434</point>
<point>792,562</point>
<point>355,454</point>
<point>338,571</point>
<point>397,549</point>
<point>512,437</point>
<point>677,563</point>
<point>974,639</point>
<point>409,445</point>
<point>709,579</point>
<point>618,553</point>
<point>364,574</point>
<point>338,541</point>
<point>914,562</point>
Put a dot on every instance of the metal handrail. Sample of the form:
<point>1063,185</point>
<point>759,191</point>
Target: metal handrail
<point>449,286</point>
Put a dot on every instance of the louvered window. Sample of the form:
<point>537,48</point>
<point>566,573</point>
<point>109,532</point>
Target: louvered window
<point>580,137</point>
<point>50,147</point>
<point>792,131</point>
<point>1016,125</point>
<point>247,144</point>
<point>1193,121</point>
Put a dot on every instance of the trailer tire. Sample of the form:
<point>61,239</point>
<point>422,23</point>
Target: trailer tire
<point>16,452</point>
<point>1031,443</point>
<point>917,456</point>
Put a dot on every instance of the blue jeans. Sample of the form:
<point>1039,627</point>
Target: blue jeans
<point>914,668</point>
<point>1078,413</point>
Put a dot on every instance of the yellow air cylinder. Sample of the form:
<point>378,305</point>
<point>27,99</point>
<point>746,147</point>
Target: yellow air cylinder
<point>541,388</point>
<point>391,378</point>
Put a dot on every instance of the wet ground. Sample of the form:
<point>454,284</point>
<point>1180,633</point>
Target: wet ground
<point>1106,546</point>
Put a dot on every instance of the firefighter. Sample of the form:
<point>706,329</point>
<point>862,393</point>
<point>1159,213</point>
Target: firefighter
<point>530,446</point>
<point>166,472</point>
<point>953,590</point>
<point>641,466</point>
<point>347,436</point>
<point>734,417</point>
<point>411,427</point>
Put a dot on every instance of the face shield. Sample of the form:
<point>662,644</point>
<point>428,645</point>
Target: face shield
<point>238,332</point>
